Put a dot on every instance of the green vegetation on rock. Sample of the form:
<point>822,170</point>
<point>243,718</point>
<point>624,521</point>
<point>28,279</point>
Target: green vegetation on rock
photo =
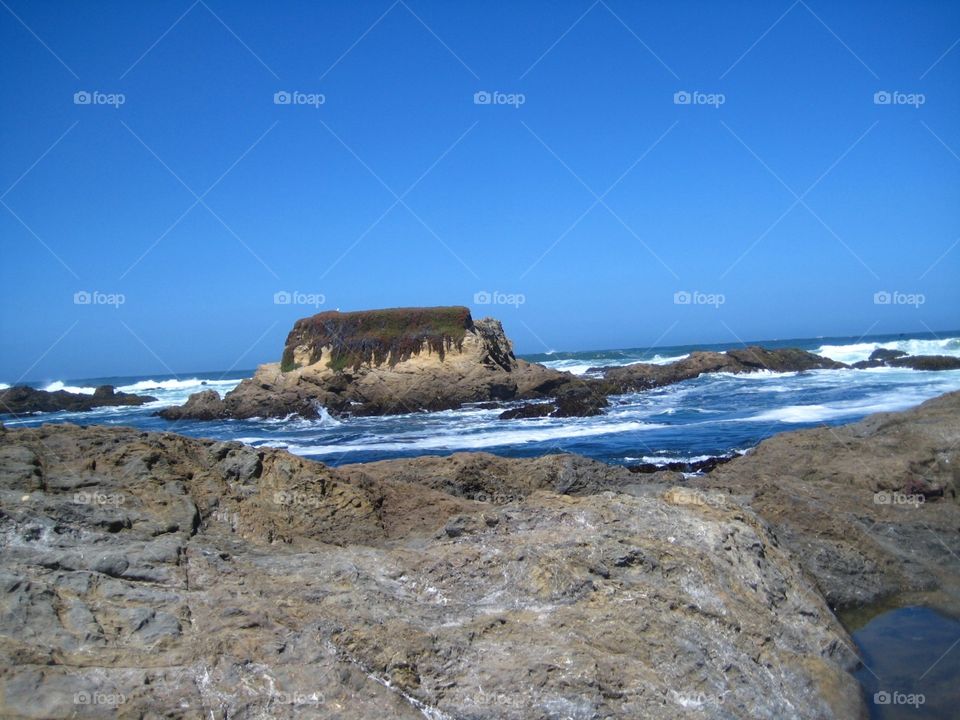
<point>377,336</point>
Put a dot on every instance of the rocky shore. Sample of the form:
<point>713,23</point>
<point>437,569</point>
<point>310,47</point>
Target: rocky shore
<point>23,400</point>
<point>151,575</point>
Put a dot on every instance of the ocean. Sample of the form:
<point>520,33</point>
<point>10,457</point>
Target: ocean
<point>711,415</point>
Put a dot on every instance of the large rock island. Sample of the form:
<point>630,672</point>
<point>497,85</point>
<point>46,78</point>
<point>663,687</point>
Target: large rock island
<point>379,362</point>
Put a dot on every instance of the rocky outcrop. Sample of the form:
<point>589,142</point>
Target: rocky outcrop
<point>23,400</point>
<point>150,575</point>
<point>643,376</point>
<point>882,357</point>
<point>380,362</point>
<point>870,510</point>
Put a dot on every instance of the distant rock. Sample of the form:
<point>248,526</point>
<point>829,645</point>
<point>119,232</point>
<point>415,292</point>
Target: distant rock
<point>898,358</point>
<point>926,362</point>
<point>23,400</point>
<point>643,376</point>
<point>883,354</point>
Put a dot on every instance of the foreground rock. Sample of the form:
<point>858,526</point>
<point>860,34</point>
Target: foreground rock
<point>150,575</point>
<point>22,400</point>
<point>870,510</point>
<point>380,362</point>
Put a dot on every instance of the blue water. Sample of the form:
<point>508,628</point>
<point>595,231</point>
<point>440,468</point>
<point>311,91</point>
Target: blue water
<point>911,659</point>
<point>710,415</point>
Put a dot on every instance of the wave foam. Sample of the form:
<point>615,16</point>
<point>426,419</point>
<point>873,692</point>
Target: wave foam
<point>855,352</point>
<point>452,441</point>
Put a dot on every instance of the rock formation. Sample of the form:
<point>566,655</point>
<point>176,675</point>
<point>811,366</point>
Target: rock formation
<point>22,400</point>
<point>150,575</point>
<point>380,362</point>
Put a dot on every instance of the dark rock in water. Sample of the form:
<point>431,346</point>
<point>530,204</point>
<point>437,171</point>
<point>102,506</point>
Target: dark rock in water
<point>696,466</point>
<point>579,399</point>
<point>644,376</point>
<point>530,410</point>
<point>926,362</point>
<point>883,354</point>
<point>204,405</point>
<point>26,400</point>
<point>898,358</point>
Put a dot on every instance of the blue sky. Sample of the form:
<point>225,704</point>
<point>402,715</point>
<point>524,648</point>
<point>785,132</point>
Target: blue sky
<point>584,189</point>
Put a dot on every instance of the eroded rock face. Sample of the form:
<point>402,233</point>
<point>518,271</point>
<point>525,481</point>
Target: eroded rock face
<point>871,509</point>
<point>149,575</point>
<point>22,400</point>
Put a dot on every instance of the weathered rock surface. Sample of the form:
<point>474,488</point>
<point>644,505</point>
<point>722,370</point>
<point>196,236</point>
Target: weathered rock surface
<point>870,510</point>
<point>22,400</point>
<point>149,575</point>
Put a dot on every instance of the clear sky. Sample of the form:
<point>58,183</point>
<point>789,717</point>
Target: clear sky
<point>585,187</point>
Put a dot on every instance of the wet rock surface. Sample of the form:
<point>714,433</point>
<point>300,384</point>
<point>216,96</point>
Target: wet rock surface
<point>150,575</point>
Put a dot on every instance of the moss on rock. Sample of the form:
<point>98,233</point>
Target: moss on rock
<point>377,336</point>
